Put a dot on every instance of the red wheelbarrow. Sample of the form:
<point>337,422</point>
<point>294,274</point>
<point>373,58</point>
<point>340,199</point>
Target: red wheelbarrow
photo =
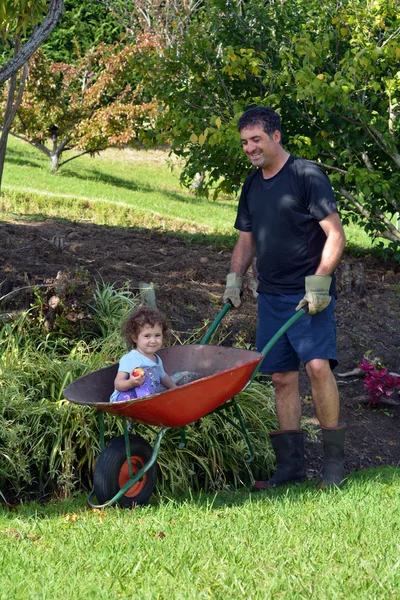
<point>126,469</point>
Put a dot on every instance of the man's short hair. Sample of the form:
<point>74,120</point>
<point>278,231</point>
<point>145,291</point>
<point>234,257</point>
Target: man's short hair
<point>261,115</point>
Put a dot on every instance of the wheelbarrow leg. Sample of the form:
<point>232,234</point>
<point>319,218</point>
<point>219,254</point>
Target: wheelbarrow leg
<point>243,429</point>
<point>240,427</point>
<point>127,448</point>
<point>101,428</point>
<point>182,443</point>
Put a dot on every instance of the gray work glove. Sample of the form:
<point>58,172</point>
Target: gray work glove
<point>233,289</point>
<point>317,293</point>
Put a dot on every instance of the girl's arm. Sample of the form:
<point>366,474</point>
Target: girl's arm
<point>126,381</point>
<point>167,382</point>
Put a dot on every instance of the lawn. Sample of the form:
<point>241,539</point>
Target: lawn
<point>293,543</point>
<point>119,187</point>
<point>146,183</point>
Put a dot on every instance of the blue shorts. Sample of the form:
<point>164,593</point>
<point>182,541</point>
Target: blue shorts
<point>312,336</point>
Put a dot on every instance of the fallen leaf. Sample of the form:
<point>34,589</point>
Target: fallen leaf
<point>160,534</point>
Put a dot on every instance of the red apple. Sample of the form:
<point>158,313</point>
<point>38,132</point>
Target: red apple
<point>138,372</point>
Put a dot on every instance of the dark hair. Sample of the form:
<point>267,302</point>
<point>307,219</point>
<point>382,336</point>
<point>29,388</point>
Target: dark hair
<point>137,319</point>
<point>261,115</point>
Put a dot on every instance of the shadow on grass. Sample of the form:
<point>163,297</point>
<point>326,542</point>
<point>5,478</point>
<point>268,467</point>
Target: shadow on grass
<point>17,157</point>
<point>295,493</point>
<point>129,184</point>
<point>209,501</point>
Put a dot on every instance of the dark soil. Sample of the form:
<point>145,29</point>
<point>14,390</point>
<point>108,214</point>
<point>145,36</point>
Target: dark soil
<point>189,282</point>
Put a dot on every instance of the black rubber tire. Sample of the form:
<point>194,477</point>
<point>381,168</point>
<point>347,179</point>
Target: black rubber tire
<point>112,465</point>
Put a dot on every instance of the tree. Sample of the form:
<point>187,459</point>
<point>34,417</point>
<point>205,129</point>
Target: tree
<point>90,106</point>
<point>332,74</point>
<point>348,95</point>
<point>165,19</point>
<point>15,19</point>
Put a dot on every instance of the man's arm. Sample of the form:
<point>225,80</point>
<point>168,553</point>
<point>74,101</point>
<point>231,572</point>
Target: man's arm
<point>334,245</point>
<point>243,253</point>
<point>242,256</point>
<point>317,286</point>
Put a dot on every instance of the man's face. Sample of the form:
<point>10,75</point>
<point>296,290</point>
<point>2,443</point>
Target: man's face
<point>259,148</point>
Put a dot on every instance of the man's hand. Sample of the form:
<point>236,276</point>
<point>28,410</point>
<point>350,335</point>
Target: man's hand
<point>317,293</point>
<point>233,289</point>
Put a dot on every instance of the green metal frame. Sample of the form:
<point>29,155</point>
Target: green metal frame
<point>134,478</point>
<point>240,425</point>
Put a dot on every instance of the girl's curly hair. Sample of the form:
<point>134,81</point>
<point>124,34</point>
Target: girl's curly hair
<point>137,319</point>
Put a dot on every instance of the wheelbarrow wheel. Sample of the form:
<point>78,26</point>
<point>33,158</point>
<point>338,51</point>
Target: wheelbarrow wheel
<point>111,472</point>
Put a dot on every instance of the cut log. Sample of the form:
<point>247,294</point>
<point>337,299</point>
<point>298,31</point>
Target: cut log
<point>147,294</point>
<point>351,278</point>
<point>358,279</point>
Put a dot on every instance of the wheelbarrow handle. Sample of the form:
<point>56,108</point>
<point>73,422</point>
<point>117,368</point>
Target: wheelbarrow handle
<point>279,333</point>
<point>282,330</point>
<point>272,341</point>
<point>215,323</point>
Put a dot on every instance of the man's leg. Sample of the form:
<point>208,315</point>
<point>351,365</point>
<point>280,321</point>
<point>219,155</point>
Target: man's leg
<point>288,406</point>
<point>288,442</point>
<point>282,361</point>
<point>326,400</point>
<point>324,392</point>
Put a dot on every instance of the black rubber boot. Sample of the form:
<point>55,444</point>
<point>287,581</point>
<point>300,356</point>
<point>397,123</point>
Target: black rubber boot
<point>289,451</point>
<point>333,469</point>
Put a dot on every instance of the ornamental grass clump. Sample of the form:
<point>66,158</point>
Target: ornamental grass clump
<point>49,446</point>
<point>378,382</point>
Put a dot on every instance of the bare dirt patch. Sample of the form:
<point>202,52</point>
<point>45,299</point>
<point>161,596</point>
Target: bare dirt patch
<point>189,282</point>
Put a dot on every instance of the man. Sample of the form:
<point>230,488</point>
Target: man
<point>287,216</point>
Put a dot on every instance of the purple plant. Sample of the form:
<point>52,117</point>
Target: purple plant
<point>378,381</point>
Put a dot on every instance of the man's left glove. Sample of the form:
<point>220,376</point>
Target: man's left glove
<point>233,289</point>
<point>317,293</point>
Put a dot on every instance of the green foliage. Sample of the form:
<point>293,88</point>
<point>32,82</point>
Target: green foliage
<point>109,308</point>
<point>48,445</point>
<point>84,25</point>
<point>17,16</point>
<point>347,82</point>
<point>332,74</point>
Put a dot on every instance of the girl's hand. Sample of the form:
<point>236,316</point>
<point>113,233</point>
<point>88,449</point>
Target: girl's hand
<point>125,381</point>
<point>137,381</point>
<point>137,377</point>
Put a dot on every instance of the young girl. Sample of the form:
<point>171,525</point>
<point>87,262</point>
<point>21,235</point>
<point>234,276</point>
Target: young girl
<point>144,328</point>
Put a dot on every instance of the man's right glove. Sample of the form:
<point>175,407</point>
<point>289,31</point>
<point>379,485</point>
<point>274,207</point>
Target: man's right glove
<point>317,293</point>
<point>233,289</point>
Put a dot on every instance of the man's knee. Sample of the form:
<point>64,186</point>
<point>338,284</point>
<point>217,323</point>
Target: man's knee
<point>285,380</point>
<point>319,369</point>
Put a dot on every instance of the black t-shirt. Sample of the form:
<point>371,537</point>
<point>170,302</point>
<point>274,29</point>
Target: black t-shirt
<point>283,214</point>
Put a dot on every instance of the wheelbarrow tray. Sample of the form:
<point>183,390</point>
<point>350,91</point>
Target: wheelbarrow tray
<point>224,373</point>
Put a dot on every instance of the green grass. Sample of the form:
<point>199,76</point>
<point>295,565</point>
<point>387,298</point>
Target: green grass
<point>138,189</point>
<point>293,543</point>
<point>140,182</point>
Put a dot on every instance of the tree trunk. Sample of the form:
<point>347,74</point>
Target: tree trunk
<point>37,38</point>
<point>54,160</point>
<point>13,104</point>
<point>351,278</point>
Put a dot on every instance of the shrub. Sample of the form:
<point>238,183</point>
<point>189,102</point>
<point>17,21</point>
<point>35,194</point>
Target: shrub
<point>378,382</point>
